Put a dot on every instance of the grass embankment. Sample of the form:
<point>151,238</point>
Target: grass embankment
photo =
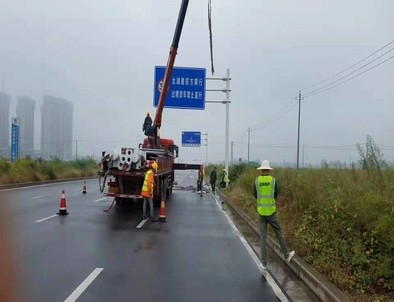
<point>340,221</point>
<point>28,170</point>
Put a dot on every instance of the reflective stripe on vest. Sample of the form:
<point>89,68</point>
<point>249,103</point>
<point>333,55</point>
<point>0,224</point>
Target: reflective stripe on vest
<point>265,188</point>
<point>145,185</point>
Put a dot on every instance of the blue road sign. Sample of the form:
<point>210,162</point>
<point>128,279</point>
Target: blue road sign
<point>191,139</point>
<point>187,88</point>
<point>15,139</point>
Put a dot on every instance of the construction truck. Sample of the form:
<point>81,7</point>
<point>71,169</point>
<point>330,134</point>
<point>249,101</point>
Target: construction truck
<point>123,171</point>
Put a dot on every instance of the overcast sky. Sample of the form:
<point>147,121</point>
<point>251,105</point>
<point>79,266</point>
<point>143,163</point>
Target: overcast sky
<point>101,56</point>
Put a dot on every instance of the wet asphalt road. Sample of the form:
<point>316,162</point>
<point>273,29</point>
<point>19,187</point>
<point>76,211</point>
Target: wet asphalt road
<point>195,256</point>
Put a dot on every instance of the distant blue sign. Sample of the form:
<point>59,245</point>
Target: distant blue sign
<point>191,139</point>
<point>187,88</point>
<point>15,139</point>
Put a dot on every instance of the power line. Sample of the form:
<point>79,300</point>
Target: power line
<point>333,76</point>
<point>275,117</point>
<point>347,80</point>
<point>313,91</point>
<point>242,136</point>
<point>273,120</point>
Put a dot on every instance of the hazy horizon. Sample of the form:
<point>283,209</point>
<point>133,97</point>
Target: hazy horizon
<point>101,57</point>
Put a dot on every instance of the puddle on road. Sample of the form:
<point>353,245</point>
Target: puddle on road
<point>286,278</point>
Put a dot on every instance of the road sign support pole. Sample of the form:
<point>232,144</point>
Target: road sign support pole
<point>227,118</point>
<point>227,103</point>
<point>206,148</point>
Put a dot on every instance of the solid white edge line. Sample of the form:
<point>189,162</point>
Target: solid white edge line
<point>84,285</point>
<point>40,196</point>
<point>100,199</point>
<point>141,224</point>
<point>46,218</point>
<point>277,290</point>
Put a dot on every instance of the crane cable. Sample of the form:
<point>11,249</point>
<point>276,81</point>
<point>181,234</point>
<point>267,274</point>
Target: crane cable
<point>210,34</point>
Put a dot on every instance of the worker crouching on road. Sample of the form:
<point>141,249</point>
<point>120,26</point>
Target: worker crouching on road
<point>265,191</point>
<point>147,191</point>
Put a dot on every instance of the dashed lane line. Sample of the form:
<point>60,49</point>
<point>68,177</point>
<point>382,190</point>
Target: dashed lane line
<point>84,285</point>
<point>100,199</point>
<point>46,218</point>
<point>141,224</point>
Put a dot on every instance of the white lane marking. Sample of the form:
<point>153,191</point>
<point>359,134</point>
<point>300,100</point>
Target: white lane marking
<point>84,285</point>
<point>46,218</point>
<point>277,290</point>
<point>44,185</point>
<point>184,177</point>
<point>141,224</point>
<point>100,199</point>
<point>40,196</point>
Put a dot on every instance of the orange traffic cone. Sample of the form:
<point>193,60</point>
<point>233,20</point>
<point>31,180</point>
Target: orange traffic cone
<point>84,188</point>
<point>63,207</point>
<point>162,215</point>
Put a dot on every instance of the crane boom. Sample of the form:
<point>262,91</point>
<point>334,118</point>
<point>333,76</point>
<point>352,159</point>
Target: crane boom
<point>168,73</point>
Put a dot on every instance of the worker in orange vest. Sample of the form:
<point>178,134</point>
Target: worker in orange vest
<point>147,191</point>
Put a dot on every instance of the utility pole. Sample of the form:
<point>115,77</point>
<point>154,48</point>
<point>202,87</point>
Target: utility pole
<point>232,153</point>
<point>76,150</point>
<point>248,143</point>
<point>298,140</point>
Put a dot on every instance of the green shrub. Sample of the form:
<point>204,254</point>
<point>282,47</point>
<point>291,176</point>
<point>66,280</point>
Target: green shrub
<point>5,167</point>
<point>338,221</point>
<point>23,170</point>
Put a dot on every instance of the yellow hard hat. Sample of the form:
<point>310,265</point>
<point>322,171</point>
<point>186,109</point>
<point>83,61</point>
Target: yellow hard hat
<point>148,113</point>
<point>155,166</point>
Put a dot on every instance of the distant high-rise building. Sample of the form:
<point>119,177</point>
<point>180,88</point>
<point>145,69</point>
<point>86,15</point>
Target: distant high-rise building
<point>56,128</point>
<point>5,125</point>
<point>25,111</point>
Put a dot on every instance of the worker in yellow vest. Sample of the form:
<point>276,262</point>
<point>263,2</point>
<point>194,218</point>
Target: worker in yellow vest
<point>147,191</point>
<point>265,191</point>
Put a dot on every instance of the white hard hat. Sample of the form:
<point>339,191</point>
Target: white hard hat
<point>265,165</point>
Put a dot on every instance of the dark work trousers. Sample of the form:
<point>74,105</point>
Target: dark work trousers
<point>146,200</point>
<point>273,221</point>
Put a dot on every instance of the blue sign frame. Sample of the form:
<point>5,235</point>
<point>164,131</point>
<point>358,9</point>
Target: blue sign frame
<point>186,90</point>
<point>191,139</point>
<point>15,139</point>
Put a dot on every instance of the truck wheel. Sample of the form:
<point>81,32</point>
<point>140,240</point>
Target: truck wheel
<point>169,191</point>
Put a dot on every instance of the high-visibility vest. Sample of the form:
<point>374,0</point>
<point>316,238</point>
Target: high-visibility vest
<point>265,187</point>
<point>147,187</point>
<point>225,177</point>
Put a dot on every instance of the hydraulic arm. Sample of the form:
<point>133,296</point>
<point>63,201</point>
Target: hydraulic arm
<point>168,73</point>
